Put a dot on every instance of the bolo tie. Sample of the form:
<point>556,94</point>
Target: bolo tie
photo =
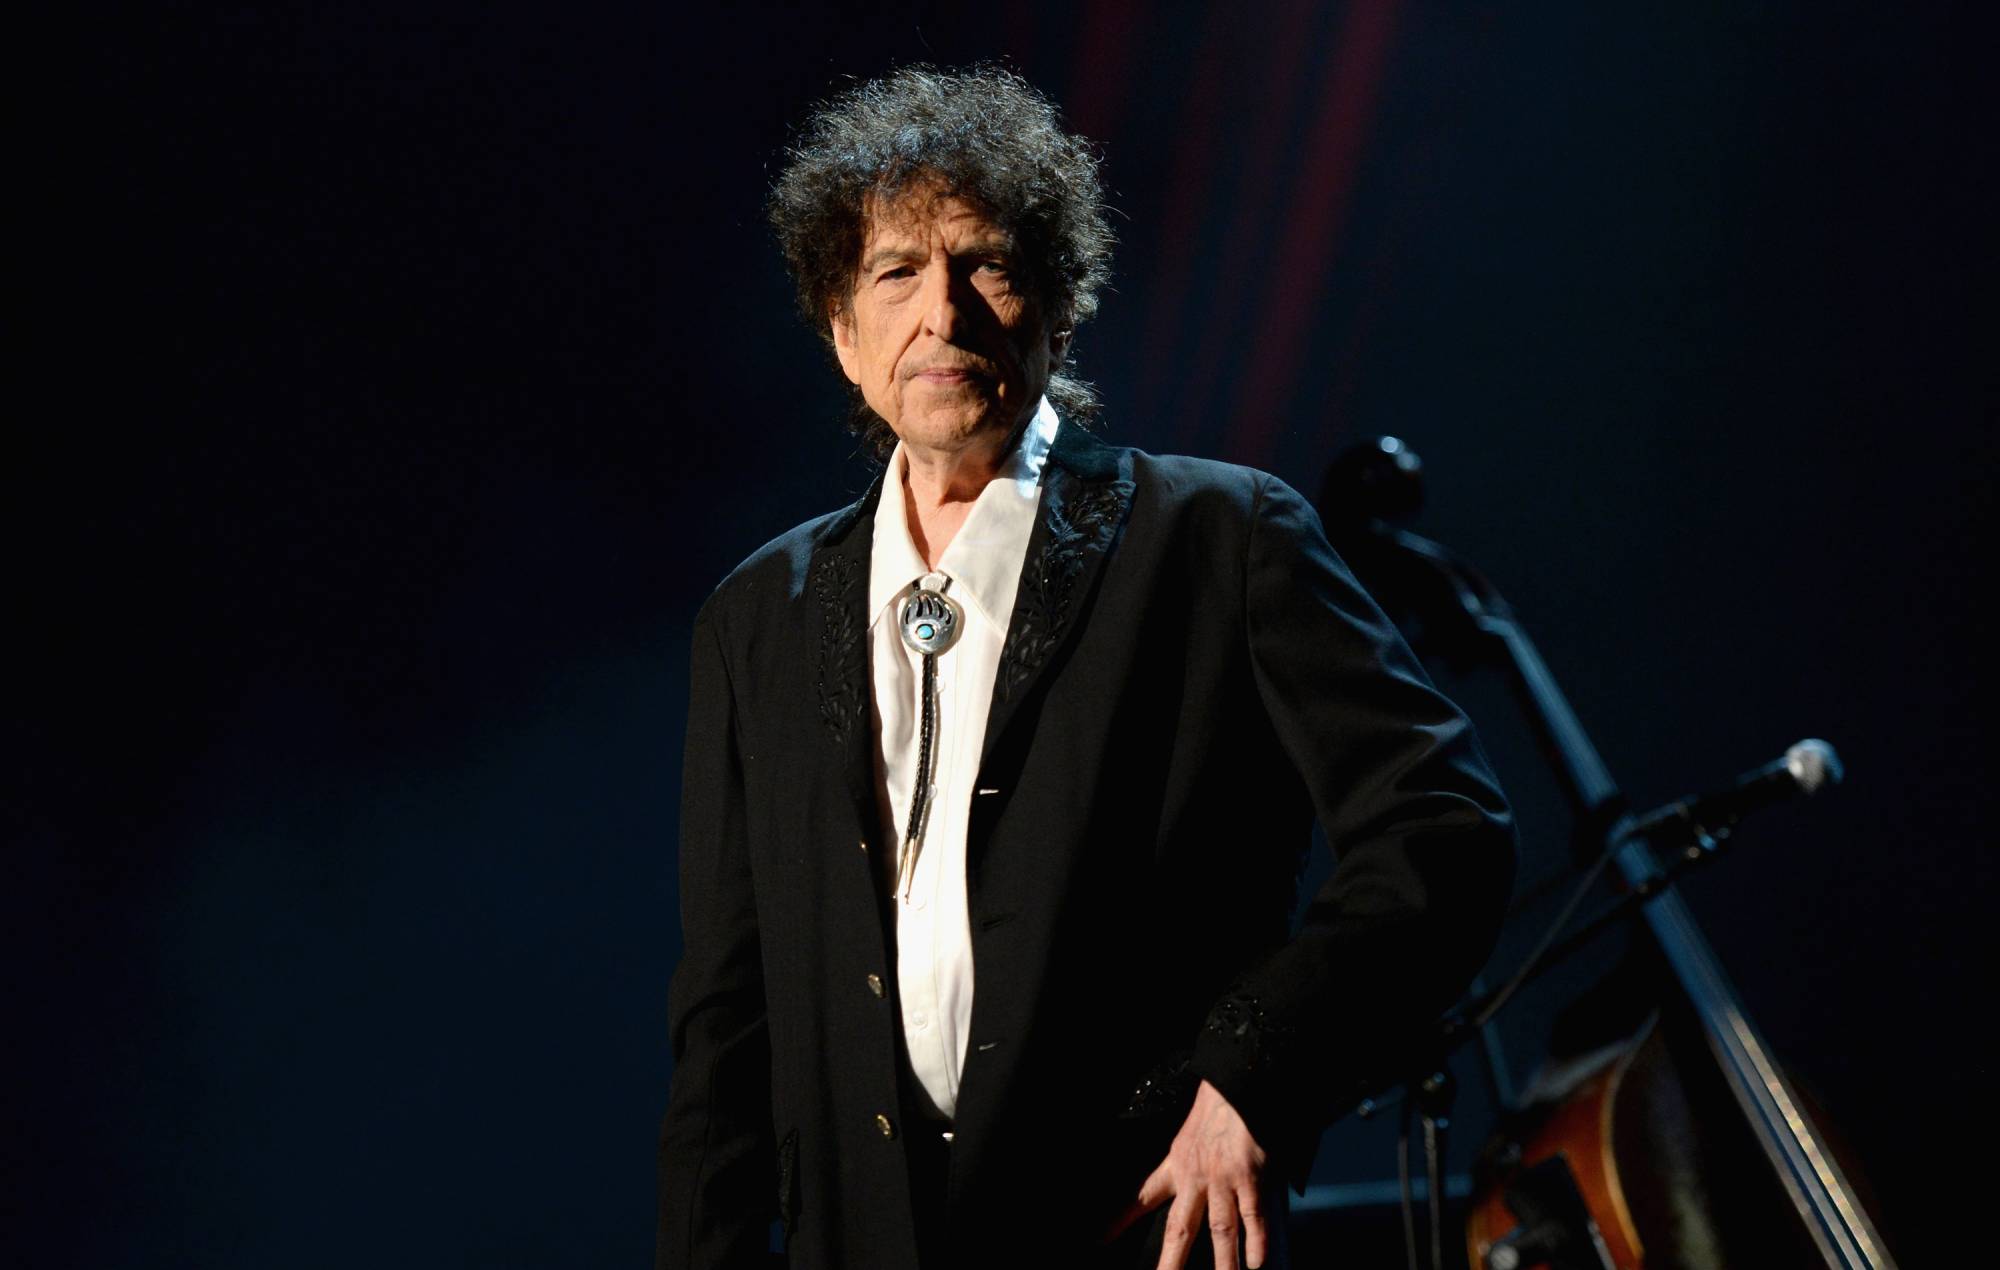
<point>931,623</point>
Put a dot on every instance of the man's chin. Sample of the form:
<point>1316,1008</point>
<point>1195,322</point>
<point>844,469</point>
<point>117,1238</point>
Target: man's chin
<point>952,428</point>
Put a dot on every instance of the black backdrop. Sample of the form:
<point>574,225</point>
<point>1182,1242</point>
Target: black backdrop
<point>420,367</point>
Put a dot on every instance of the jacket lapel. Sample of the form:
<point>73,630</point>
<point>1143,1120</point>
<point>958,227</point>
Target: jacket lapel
<point>1085,499</point>
<point>837,588</point>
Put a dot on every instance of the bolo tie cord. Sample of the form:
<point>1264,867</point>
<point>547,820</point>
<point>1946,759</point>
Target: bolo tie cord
<point>920,795</point>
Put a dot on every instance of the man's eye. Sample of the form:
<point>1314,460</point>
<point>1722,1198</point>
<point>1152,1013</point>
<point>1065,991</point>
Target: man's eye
<point>901,271</point>
<point>993,268</point>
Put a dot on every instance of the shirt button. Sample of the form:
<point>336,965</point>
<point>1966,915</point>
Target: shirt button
<point>919,1022</point>
<point>875,984</point>
<point>886,1125</point>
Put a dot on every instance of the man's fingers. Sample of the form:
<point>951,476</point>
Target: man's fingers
<point>1222,1226</point>
<point>1249,1205</point>
<point>1183,1224</point>
<point>1157,1188</point>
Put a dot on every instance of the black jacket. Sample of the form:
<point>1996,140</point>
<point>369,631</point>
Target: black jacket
<point>1190,675</point>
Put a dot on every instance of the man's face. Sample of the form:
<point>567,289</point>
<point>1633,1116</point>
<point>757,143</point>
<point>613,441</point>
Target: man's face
<point>941,334</point>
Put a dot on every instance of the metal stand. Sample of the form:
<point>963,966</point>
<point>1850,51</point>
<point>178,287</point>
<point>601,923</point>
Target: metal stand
<point>1468,617</point>
<point>1430,1103</point>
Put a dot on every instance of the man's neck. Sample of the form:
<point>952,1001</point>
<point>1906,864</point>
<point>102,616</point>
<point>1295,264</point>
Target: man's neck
<point>940,487</point>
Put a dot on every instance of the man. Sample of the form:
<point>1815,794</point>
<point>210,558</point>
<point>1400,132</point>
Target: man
<point>998,781</point>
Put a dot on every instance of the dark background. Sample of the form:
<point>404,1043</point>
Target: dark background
<point>434,363</point>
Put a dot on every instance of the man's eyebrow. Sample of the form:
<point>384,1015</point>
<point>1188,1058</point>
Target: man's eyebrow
<point>883,255</point>
<point>1002,247</point>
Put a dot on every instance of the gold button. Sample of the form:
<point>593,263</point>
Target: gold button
<point>864,845</point>
<point>875,984</point>
<point>886,1125</point>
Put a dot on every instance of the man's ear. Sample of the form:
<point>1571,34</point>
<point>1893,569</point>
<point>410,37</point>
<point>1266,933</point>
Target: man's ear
<point>841,323</point>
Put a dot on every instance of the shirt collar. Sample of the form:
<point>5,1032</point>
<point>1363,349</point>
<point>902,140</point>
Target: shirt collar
<point>984,558</point>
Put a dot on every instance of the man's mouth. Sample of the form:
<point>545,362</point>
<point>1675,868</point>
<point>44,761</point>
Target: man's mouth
<point>954,381</point>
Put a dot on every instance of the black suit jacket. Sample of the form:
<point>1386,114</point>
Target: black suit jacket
<point>1190,676</point>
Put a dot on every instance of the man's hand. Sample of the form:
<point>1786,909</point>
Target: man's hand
<point>1215,1168</point>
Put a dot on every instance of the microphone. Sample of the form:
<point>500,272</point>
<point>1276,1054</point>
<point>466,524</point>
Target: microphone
<point>1803,771</point>
<point>1379,478</point>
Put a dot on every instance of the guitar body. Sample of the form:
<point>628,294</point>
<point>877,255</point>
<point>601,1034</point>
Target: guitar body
<point>1572,1126</point>
<point>1644,1133</point>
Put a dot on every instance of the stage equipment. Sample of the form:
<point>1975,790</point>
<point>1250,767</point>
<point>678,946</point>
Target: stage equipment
<point>1675,1139</point>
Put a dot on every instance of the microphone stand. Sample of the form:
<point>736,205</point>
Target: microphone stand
<point>1464,610</point>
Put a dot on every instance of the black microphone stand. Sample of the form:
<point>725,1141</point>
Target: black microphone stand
<point>1465,616</point>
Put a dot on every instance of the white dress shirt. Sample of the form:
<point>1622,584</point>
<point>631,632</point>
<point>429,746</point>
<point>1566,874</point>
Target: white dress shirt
<point>983,563</point>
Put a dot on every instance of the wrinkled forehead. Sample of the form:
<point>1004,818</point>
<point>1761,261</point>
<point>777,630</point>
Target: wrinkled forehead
<point>922,210</point>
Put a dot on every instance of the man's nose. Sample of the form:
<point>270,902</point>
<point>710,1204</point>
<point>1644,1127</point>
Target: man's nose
<point>943,314</point>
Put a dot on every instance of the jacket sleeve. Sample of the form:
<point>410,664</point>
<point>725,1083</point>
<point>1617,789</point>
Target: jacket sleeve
<point>1422,839</point>
<point>717,1163</point>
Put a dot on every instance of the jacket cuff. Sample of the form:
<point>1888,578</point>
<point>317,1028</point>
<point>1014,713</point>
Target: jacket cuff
<point>1246,1054</point>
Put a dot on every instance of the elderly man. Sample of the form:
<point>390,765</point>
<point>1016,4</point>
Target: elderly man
<point>999,780</point>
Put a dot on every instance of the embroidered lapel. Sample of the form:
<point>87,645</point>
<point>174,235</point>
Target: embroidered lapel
<point>837,582</point>
<point>1084,503</point>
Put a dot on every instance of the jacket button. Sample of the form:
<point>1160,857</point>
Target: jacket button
<point>886,1125</point>
<point>875,984</point>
